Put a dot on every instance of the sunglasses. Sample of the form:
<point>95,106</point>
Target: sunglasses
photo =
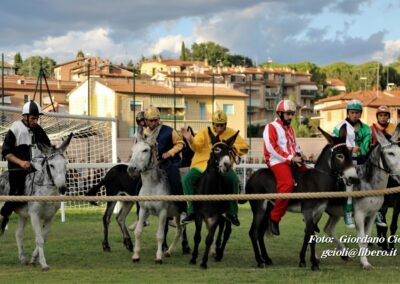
<point>289,113</point>
<point>219,124</point>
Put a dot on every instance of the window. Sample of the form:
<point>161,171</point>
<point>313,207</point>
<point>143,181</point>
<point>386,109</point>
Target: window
<point>138,106</point>
<point>26,98</point>
<point>202,111</point>
<point>229,109</point>
<point>329,118</point>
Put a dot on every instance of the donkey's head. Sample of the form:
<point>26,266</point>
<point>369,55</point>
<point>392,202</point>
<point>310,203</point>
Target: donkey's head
<point>52,163</point>
<point>144,157</point>
<point>341,162</point>
<point>389,154</point>
<point>220,155</point>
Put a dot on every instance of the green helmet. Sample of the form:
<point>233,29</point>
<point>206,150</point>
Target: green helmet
<point>354,105</point>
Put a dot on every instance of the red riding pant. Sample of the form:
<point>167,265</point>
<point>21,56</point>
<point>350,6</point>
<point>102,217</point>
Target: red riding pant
<point>284,184</point>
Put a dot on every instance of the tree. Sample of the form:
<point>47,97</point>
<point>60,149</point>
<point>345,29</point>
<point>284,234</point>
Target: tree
<point>130,64</point>
<point>80,54</point>
<point>239,60</point>
<point>185,53</point>
<point>17,61</point>
<point>31,66</point>
<point>211,51</point>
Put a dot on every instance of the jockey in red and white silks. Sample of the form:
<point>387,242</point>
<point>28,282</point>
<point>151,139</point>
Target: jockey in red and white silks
<point>280,150</point>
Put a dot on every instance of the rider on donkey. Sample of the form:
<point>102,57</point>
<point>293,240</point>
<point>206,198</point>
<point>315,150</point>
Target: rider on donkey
<point>358,140</point>
<point>387,129</point>
<point>201,145</point>
<point>280,151</point>
<point>16,150</point>
<point>169,144</point>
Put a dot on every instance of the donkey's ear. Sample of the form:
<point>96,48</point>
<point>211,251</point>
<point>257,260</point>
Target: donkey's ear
<point>232,139</point>
<point>395,136</point>
<point>65,144</point>
<point>191,130</point>
<point>214,139</point>
<point>327,136</point>
<point>343,131</point>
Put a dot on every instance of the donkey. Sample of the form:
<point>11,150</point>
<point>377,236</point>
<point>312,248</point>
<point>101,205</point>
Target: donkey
<point>390,201</point>
<point>382,162</point>
<point>333,164</point>
<point>49,179</point>
<point>154,182</point>
<point>374,173</point>
<point>213,182</point>
<point>117,182</point>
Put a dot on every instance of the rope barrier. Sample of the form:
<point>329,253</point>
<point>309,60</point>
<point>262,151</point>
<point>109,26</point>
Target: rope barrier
<point>221,197</point>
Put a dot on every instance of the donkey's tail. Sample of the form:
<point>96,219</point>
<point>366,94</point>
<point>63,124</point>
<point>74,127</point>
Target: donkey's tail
<point>94,190</point>
<point>242,191</point>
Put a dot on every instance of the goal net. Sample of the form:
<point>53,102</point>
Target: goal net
<point>92,150</point>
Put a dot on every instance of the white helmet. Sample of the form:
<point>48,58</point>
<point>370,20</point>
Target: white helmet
<point>32,108</point>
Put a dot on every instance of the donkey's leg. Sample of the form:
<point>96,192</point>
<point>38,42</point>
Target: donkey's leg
<point>178,235</point>
<point>395,218</point>
<point>35,220</point>
<point>309,224</point>
<point>213,223</point>
<point>19,237</point>
<point>264,225</point>
<point>382,231</point>
<point>45,232</point>
<point>227,234</point>
<point>185,243</point>
<point>106,222</point>
<point>359,218</point>
<point>331,232</point>
<point>255,233</point>
<point>196,239</point>
<point>121,218</point>
<point>162,221</point>
<point>218,240</point>
<point>143,214</point>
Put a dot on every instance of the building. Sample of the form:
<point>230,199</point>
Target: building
<point>20,89</point>
<point>332,110</point>
<point>335,85</point>
<point>262,85</point>
<point>79,69</point>
<point>193,104</point>
<point>9,69</point>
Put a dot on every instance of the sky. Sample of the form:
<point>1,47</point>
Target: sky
<point>284,31</point>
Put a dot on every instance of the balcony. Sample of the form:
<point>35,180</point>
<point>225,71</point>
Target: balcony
<point>171,117</point>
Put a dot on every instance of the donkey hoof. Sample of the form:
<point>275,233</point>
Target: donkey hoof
<point>135,260</point>
<point>192,261</point>
<point>186,250</point>
<point>367,266</point>
<point>345,258</point>
<point>158,261</point>
<point>128,244</point>
<point>203,265</point>
<point>167,254</point>
<point>261,265</point>
<point>268,261</point>
<point>45,268</point>
<point>314,267</point>
<point>302,264</point>
<point>106,247</point>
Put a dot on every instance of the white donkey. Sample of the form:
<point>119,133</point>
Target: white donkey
<point>49,179</point>
<point>144,161</point>
<point>382,162</point>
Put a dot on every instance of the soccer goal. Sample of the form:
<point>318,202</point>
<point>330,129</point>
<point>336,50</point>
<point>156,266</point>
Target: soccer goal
<point>92,151</point>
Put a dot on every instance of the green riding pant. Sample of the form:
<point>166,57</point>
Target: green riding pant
<point>191,179</point>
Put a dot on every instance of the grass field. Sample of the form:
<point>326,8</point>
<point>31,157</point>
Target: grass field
<point>75,255</point>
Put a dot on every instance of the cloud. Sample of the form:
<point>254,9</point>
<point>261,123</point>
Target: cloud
<point>350,6</point>
<point>95,42</point>
<point>390,52</point>
<point>171,44</point>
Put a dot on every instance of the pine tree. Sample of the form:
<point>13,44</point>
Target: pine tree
<point>80,54</point>
<point>17,61</point>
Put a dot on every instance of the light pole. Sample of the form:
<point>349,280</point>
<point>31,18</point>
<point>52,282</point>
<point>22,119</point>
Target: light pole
<point>365,82</point>
<point>303,107</point>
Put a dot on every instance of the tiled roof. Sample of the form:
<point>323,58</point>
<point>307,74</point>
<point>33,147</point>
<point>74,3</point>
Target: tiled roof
<point>125,87</point>
<point>335,82</point>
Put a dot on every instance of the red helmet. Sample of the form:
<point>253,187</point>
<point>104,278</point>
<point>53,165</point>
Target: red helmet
<point>286,106</point>
<point>382,109</point>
